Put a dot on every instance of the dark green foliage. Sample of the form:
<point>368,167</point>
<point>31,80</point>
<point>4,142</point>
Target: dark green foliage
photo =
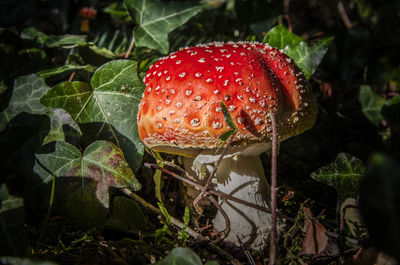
<point>380,202</point>
<point>12,231</point>
<point>70,145</point>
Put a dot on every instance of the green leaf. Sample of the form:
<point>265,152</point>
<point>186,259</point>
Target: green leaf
<point>60,70</point>
<point>164,211</point>
<point>71,96</point>
<point>62,127</point>
<point>229,121</point>
<point>105,163</point>
<point>32,33</point>
<point>380,202</point>
<point>308,58</point>
<point>102,161</point>
<point>391,110</point>
<point>344,174</point>
<point>112,101</point>
<point>103,52</point>
<point>371,104</point>
<point>156,19</point>
<point>279,37</point>
<point>116,11</point>
<point>158,183</point>
<point>183,256</point>
<point>25,98</point>
<point>53,41</point>
<point>58,158</point>
<point>65,41</point>
<point>126,216</point>
<point>13,234</point>
<point>182,234</point>
<point>7,201</point>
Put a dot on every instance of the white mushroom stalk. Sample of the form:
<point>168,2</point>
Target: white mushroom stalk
<point>240,175</point>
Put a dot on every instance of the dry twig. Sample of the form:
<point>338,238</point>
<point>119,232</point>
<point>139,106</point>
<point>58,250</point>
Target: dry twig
<point>224,233</point>
<point>343,15</point>
<point>272,246</point>
<point>246,252</point>
<point>128,53</point>
<point>71,77</point>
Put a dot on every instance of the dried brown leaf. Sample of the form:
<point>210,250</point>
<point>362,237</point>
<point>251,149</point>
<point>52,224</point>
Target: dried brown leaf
<point>315,240</point>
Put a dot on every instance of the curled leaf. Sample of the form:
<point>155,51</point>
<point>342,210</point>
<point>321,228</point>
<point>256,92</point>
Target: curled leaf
<point>315,240</point>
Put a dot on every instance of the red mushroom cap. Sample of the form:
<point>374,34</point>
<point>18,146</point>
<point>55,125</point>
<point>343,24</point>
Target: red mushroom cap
<point>180,109</point>
<point>88,12</point>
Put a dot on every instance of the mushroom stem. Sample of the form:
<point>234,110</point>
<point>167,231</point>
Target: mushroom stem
<point>241,177</point>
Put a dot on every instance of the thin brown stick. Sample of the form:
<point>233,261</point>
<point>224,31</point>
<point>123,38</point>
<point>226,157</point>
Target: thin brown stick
<point>249,257</point>
<point>170,164</point>
<point>109,249</point>
<point>128,53</point>
<point>343,15</point>
<point>224,233</point>
<point>71,77</point>
<point>205,188</point>
<point>272,245</point>
<point>286,5</point>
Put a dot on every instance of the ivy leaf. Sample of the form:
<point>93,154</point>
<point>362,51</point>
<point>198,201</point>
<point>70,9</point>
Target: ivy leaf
<point>32,33</point>
<point>126,216</point>
<point>60,70</point>
<point>111,102</point>
<point>279,37</point>
<point>156,19</point>
<point>25,98</point>
<point>62,127</point>
<point>371,104</point>
<point>52,41</point>
<point>105,163</point>
<point>65,41</point>
<point>344,174</point>
<point>102,161</point>
<point>60,159</point>
<point>13,234</point>
<point>7,201</point>
<point>71,96</point>
<point>308,58</point>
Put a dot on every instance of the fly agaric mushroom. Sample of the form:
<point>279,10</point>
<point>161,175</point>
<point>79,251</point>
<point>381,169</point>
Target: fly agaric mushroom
<point>87,13</point>
<point>180,113</point>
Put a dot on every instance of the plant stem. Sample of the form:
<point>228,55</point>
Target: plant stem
<point>272,246</point>
<point>130,47</point>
